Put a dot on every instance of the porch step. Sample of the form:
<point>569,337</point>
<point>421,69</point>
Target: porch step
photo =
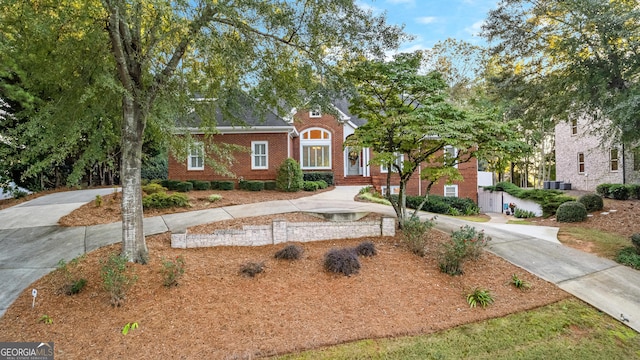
<point>353,180</point>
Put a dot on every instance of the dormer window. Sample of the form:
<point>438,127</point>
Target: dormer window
<point>315,113</point>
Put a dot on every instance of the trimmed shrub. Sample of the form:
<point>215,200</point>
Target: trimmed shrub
<point>201,185</point>
<point>226,185</point>
<point>319,175</point>
<point>415,234</point>
<point>215,185</point>
<point>366,248</point>
<point>593,202</point>
<point>184,186</point>
<point>153,188</point>
<point>170,184</point>
<point>289,176</point>
<point>635,240</point>
<point>444,205</point>
<point>603,189</point>
<point>619,192</point>
<point>255,185</point>
<point>242,184</point>
<point>163,200</point>
<point>251,269</point>
<point>634,191</point>
<point>342,261</point>
<point>269,185</point>
<point>289,252</point>
<point>310,186</point>
<point>571,211</point>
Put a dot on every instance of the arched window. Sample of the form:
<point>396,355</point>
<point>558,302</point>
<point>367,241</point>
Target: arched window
<point>315,149</point>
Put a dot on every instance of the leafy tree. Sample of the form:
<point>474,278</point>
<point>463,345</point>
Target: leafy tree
<point>145,60</point>
<point>573,57</point>
<point>408,114</point>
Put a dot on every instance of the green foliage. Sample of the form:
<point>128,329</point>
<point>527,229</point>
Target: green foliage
<point>342,261</point>
<point>117,278</point>
<point>629,256</point>
<point>226,185</point>
<point>310,185</point>
<point>519,283</point>
<point>255,185</point>
<point>201,185</point>
<point>523,214</point>
<point>214,197</point>
<point>592,202</point>
<point>571,211</point>
<point>270,185</point>
<point>172,270</point>
<point>72,282</point>
<point>479,296</point>
<point>444,205</point>
<point>162,200</point>
<point>170,184</point>
<point>374,198</point>
<point>466,243</point>
<point>128,327</point>
<point>289,176</point>
<point>326,176</point>
<point>215,185</point>
<point>153,188</point>
<point>549,200</point>
<point>634,191</point>
<point>619,192</point>
<point>184,186</point>
<point>289,252</point>
<point>156,167</point>
<point>635,241</point>
<point>251,269</point>
<point>415,234</point>
<point>98,202</point>
<point>603,190</point>
<point>45,319</point>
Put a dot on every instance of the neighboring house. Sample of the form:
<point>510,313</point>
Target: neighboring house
<point>585,160</point>
<point>314,139</point>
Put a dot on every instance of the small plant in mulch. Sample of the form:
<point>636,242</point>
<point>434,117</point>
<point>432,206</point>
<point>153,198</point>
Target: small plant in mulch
<point>519,283</point>
<point>251,269</point>
<point>366,248</point>
<point>289,252</point>
<point>71,282</point>
<point>98,201</point>
<point>415,233</point>
<point>172,270</point>
<point>342,261</point>
<point>117,278</point>
<point>46,319</point>
<point>479,296</point>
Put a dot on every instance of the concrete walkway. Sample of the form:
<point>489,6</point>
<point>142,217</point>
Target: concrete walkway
<point>31,244</point>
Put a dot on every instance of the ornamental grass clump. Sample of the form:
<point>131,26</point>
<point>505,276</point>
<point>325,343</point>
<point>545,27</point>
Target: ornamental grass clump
<point>342,261</point>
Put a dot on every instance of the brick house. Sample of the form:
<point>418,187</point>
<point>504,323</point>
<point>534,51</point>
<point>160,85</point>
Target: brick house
<point>312,138</point>
<point>585,161</point>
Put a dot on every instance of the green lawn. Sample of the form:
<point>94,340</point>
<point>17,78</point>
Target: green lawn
<point>569,329</point>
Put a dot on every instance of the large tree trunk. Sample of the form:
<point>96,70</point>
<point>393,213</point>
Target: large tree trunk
<point>134,247</point>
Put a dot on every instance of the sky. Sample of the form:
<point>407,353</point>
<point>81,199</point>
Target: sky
<point>431,21</point>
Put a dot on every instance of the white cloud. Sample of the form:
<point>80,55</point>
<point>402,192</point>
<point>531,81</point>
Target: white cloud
<point>426,19</point>
<point>475,28</point>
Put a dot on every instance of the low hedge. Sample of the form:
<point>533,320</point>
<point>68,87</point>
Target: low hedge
<point>200,185</point>
<point>443,205</point>
<point>255,185</point>
<point>170,184</point>
<point>619,191</point>
<point>549,200</point>
<point>326,176</point>
<point>184,186</point>
<point>270,185</point>
<point>226,185</point>
<point>162,200</point>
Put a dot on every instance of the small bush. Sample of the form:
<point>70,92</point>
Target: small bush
<point>289,176</point>
<point>153,188</point>
<point>444,205</point>
<point>251,269</point>
<point>172,270</point>
<point>163,200</point>
<point>366,248</point>
<point>201,185</point>
<point>215,185</point>
<point>170,184</point>
<point>342,261</point>
<point>270,185</point>
<point>571,211</point>
<point>242,184</point>
<point>71,282</point>
<point>98,201</point>
<point>603,190</point>
<point>629,257</point>
<point>619,192</point>
<point>634,191</point>
<point>465,243</point>
<point>519,283</point>
<point>255,185</point>
<point>310,186</point>
<point>415,234</point>
<point>635,240</point>
<point>325,176</point>
<point>592,202</point>
<point>472,240</point>
<point>480,297</point>
<point>77,286</point>
<point>214,197</point>
<point>117,278</point>
<point>289,252</point>
<point>184,186</point>
<point>523,214</point>
<point>226,185</point>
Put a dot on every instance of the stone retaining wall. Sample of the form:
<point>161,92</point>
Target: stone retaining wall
<point>281,231</point>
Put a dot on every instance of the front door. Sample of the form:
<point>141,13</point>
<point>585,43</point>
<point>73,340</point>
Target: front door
<point>353,162</point>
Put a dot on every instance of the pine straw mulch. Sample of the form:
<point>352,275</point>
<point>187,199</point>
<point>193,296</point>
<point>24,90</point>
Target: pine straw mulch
<point>216,313</point>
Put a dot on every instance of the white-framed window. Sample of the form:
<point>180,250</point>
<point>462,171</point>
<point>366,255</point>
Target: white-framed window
<point>614,161</point>
<point>581,163</point>
<point>574,126</point>
<point>451,190</point>
<point>315,149</point>
<point>315,113</point>
<point>195,161</point>
<point>398,161</point>
<point>259,155</point>
<point>395,190</point>
<point>451,152</point>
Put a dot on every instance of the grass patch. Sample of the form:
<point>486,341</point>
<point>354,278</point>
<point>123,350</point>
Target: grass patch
<point>605,244</point>
<point>374,199</point>
<point>519,222</point>
<point>474,218</point>
<point>569,329</point>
